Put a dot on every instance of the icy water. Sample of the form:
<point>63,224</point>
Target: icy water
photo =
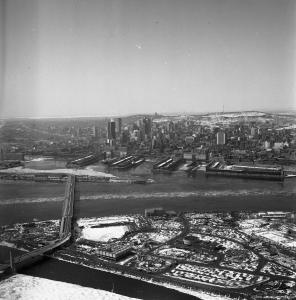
<point>28,201</point>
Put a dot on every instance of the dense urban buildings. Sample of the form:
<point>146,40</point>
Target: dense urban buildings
<point>233,137</point>
<point>180,224</point>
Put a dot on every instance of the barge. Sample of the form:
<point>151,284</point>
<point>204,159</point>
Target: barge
<point>83,161</point>
<point>127,162</point>
<point>167,165</point>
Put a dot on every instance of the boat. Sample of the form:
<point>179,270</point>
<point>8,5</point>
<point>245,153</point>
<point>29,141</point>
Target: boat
<point>128,162</point>
<point>138,161</point>
<point>162,163</point>
<point>83,161</point>
<point>168,165</point>
<point>245,171</point>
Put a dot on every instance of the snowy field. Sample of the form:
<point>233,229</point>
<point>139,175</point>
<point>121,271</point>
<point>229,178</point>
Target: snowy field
<point>80,172</point>
<point>278,237</point>
<point>37,159</point>
<point>104,234</point>
<point>249,224</point>
<point>88,222</point>
<point>253,226</point>
<point>23,287</point>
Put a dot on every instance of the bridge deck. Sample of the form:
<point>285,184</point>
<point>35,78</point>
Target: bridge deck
<point>65,230</point>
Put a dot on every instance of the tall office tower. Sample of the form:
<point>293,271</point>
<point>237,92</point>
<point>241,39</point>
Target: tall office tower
<point>153,142</point>
<point>267,145</point>
<point>220,137</point>
<point>1,153</point>
<point>139,123</point>
<point>95,131</point>
<point>125,136</point>
<point>119,126</point>
<point>253,131</point>
<point>111,134</point>
<point>147,126</point>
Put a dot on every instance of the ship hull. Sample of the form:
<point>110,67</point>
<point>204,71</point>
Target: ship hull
<point>82,164</point>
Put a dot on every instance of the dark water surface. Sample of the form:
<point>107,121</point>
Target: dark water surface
<point>28,201</point>
<point>25,201</point>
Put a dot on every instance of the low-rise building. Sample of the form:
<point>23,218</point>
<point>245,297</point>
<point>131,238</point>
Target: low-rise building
<point>114,252</point>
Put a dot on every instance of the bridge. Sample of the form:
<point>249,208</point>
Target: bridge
<point>65,233</point>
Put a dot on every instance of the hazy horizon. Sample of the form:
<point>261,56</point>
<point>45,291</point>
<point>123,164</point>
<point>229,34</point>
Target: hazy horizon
<point>168,114</point>
<point>72,58</point>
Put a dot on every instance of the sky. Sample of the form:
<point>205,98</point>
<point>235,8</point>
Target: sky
<point>118,57</point>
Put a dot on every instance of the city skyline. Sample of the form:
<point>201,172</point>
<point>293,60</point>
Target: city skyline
<point>109,58</point>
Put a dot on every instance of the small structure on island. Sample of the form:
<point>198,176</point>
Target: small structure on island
<point>159,212</point>
<point>187,241</point>
<point>152,212</point>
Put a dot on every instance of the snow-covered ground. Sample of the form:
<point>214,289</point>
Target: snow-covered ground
<point>81,172</point>
<point>253,226</point>
<point>11,245</point>
<point>278,237</point>
<point>24,287</point>
<point>7,244</point>
<point>249,224</point>
<point>104,234</point>
<point>244,114</point>
<point>239,114</point>
<point>272,235</point>
<point>200,294</point>
<point>88,222</point>
<point>41,159</point>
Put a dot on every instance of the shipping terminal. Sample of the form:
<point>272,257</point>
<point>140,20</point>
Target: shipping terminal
<point>246,171</point>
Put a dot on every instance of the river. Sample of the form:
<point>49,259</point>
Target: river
<point>28,201</point>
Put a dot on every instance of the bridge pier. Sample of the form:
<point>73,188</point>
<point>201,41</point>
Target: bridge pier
<point>11,263</point>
